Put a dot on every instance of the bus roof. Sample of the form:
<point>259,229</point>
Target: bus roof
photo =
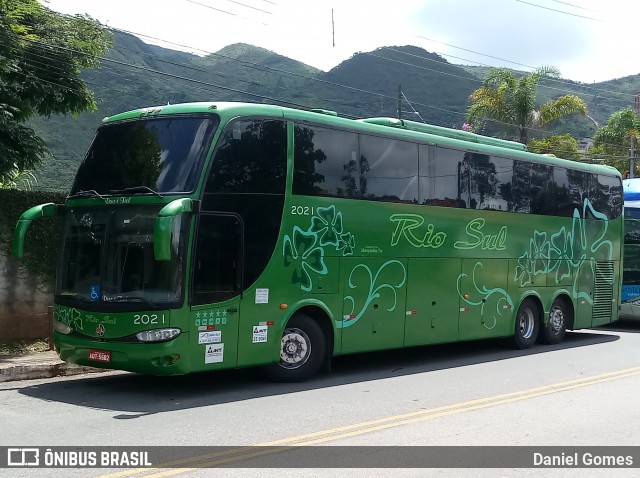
<point>631,188</point>
<point>447,132</point>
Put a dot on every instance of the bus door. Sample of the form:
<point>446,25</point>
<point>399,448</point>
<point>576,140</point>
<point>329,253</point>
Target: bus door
<point>432,301</point>
<point>374,294</point>
<point>216,287</point>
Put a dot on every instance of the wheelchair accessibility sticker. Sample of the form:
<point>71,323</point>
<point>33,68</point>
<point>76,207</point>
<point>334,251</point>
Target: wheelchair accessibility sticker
<point>94,293</point>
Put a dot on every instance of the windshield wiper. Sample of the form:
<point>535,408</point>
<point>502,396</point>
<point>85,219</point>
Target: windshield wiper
<point>145,189</point>
<point>87,193</point>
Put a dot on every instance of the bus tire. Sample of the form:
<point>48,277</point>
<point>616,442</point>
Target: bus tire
<point>302,350</point>
<point>527,324</point>
<point>554,330</point>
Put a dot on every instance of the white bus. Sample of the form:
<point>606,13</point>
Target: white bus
<point>631,265</point>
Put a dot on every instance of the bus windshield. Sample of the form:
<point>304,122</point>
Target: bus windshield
<point>155,155</point>
<point>107,256</point>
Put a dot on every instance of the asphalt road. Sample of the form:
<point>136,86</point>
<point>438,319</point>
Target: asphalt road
<point>583,392</point>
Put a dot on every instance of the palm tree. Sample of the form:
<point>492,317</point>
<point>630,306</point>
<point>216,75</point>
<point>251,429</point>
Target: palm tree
<point>17,179</point>
<point>511,101</point>
<point>613,140</point>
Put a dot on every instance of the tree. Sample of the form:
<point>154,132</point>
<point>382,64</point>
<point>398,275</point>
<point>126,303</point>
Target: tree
<point>41,56</point>
<point>612,141</point>
<point>563,146</point>
<point>510,102</point>
<point>15,179</point>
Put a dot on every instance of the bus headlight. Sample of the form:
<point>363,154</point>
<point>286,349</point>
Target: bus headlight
<point>157,335</point>
<point>60,327</point>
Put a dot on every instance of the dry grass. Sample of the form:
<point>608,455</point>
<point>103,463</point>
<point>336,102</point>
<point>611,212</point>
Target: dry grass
<point>24,347</point>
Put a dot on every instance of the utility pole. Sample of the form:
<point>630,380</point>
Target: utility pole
<point>399,101</point>
<point>632,157</point>
<point>333,29</point>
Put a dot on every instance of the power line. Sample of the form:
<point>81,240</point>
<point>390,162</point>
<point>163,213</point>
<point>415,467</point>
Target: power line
<point>198,82</point>
<point>541,86</point>
<point>277,70</point>
<point>223,11</point>
<point>593,89</point>
<point>560,11</point>
<point>249,6</point>
<point>610,157</point>
<point>408,64</point>
<point>556,80</point>
<point>232,90</point>
<point>577,6</point>
<point>419,36</point>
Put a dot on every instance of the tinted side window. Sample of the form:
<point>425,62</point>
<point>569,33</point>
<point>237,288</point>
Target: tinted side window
<point>485,181</point>
<point>248,177</point>
<point>632,227</point>
<point>251,158</point>
<point>607,197</point>
<point>578,187</point>
<point>440,176</point>
<point>325,162</point>
<point>217,261</point>
<point>520,200</point>
<point>561,193</point>
<point>540,189</point>
<point>504,179</point>
<point>389,169</point>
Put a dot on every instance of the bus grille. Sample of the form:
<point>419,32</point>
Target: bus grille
<point>603,297</point>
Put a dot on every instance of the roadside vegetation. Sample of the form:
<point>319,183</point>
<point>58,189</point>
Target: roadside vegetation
<point>24,347</point>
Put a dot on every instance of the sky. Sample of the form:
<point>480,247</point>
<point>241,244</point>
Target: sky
<point>587,40</point>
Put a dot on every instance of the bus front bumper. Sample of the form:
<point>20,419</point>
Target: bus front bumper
<point>162,358</point>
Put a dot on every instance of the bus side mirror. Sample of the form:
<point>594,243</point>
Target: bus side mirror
<point>42,210</point>
<point>163,227</point>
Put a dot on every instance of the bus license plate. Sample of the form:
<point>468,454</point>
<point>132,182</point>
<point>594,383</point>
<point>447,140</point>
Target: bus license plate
<point>100,355</point>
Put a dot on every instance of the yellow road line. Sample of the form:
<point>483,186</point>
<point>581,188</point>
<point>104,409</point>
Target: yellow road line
<point>244,453</point>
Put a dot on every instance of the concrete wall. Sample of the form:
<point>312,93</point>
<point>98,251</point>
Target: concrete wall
<point>24,303</point>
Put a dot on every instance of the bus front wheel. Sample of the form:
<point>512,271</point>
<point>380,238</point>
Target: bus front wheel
<point>527,324</point>
<point>554,330</point>
<point>302,350</point>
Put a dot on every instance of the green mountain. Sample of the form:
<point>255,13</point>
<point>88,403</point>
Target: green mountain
<point>135,74</point>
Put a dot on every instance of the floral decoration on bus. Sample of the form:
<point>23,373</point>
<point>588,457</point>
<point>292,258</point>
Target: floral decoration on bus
<point>566,252</point>
<point>69,316</point>
<point>305,249</point>
<point>327,224</point>
<point>495,300</point>
<point>395,277</point>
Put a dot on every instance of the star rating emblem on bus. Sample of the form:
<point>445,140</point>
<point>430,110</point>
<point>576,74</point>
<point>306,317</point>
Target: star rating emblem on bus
<point>211,317</point>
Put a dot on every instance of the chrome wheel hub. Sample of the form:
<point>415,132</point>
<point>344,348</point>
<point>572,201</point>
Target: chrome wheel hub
<point>295,348</point>
<point>556,319</point>
<point>526,323</point>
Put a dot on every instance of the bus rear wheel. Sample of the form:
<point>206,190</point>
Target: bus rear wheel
<point>554,330</point>
<point>527,324</point>
<point>302,350</point>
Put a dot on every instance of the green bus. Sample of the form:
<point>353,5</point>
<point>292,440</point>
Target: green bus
<point>209,236</point>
